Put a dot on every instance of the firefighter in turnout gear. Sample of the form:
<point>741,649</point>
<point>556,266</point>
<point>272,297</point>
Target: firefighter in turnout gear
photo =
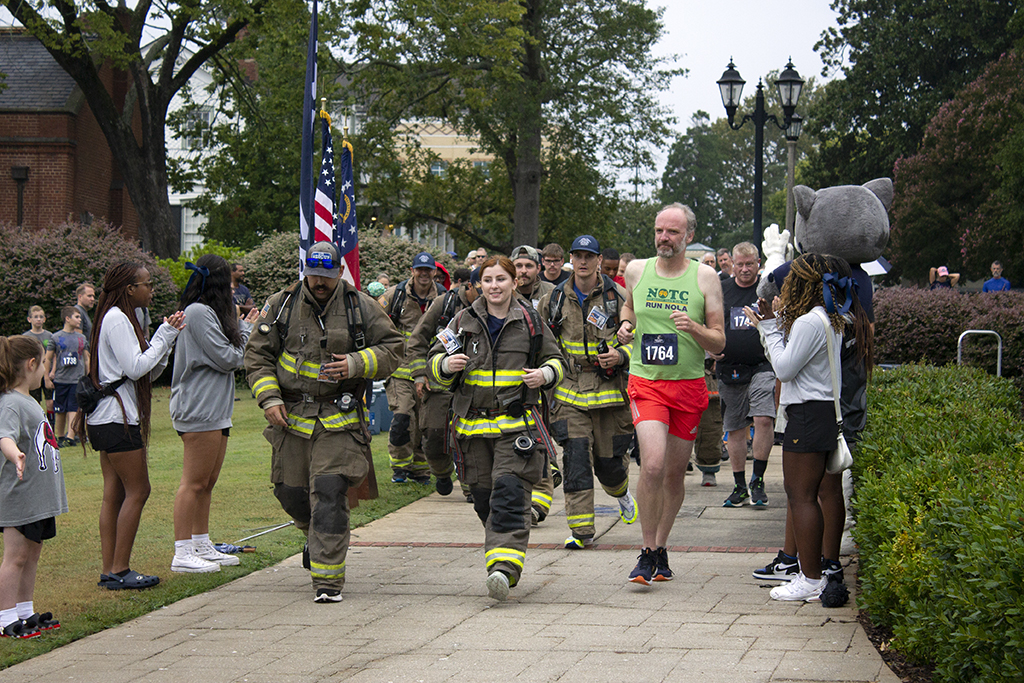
<point>591,418</point>
<point>405,303</point>
<point>497,356</point>
<point>531,288</point>
<point>437,399</point>
<point>317,344</point>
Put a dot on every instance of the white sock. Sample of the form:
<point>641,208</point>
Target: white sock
<point>25,609</point>
<point>183,548</point>
<point>8,617</point>
<point>200,538</point>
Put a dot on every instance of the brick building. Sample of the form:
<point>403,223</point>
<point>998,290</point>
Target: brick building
<point>52,152</point>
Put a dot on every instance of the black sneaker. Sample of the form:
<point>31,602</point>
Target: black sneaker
<point>661,570</point>
<point>18,629</point>
<point>327,595</point>
<point>443,485</point>
<point>644,571</point>
<point>399,477</point>
<point>740,497</point>
<point>782,568</point>
<point>757,495</point>
<point>832,570</point>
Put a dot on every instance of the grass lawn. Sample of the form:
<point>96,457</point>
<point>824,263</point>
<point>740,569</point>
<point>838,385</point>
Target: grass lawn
<point>243,503</point>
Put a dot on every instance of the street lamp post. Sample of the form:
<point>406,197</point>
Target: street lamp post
<point>731,85</point>
<point>792,135</point>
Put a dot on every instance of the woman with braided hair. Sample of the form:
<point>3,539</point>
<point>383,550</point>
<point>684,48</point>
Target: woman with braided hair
<point>119,426</point>
<point>794,334</point>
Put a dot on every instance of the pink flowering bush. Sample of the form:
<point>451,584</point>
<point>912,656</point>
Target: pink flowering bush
<point>918,325</point>
<point>45,267</point>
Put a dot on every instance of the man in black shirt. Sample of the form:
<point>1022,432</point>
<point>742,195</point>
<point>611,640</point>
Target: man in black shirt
<point>746,383</point>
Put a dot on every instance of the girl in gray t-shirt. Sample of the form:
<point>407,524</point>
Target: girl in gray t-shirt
<point>31,484</point>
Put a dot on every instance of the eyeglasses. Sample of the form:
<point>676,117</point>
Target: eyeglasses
<point>321,262</point>
<point>552,261</point>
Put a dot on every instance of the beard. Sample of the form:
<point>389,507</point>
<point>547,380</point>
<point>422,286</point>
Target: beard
<point>669,251</point>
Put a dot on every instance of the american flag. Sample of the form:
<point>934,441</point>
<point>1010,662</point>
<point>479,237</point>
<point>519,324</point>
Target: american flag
<point>306,238</point>
<point>347,234</point>
<point>323,202</point>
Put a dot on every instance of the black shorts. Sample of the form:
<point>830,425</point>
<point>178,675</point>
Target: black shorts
<point>40,531</point>
<point>226,432</point>
<point>111,438</point>
<point>64,399</point>
<point>810,427</point>
<point>41,392</point>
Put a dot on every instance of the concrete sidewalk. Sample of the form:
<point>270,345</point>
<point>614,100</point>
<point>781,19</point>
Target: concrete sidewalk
<point>416,610</point>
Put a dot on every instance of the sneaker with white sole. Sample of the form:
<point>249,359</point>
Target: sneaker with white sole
<point>327,595</point>
<point>193,564</point>
<point>627,508</point>
<point>739,497</point>
<point>573,543</point>
<point>782,568</point>
<point>206,551</point>
<point>800,588</point>
<point>708,479</point>
<point>497,586</point>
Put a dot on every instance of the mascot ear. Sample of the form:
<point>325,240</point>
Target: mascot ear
<point>881,188</point>
<point>804,198</point>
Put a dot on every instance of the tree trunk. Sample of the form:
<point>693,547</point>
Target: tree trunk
<point>526,217</point>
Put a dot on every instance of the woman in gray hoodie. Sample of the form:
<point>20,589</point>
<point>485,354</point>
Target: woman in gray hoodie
<point>207,354</point>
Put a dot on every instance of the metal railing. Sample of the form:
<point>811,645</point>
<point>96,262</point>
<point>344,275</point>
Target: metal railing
<point>999,351</point>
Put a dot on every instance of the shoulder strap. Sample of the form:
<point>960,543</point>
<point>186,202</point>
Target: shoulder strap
<point>448,306</point>
<point>397,302</point>
<point>555,308</point>
<point>354,314</point>
<point>289,303</point>
<point>533,323</point>
<point>610,300</point>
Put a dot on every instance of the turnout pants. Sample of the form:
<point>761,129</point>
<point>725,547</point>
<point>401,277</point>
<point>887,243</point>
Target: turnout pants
<point>707,447</point>
<point>434,427</point>
<point>502,482</point>
<point>593,442</point>
<point>405,440</point>
<point>311,479</point>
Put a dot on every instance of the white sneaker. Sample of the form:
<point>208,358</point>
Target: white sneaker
<point>193,564</point>
<point>206,551</point>
<point>627,508</point>
<point>800,588</point>
<point>497,586</point>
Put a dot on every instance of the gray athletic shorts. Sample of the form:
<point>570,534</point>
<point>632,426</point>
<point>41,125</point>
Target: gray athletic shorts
<point>745,401</point>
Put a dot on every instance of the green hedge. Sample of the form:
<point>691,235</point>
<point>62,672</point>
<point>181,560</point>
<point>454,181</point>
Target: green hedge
<point>940,519</point>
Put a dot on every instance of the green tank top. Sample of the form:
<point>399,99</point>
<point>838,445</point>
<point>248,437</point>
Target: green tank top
<point>659,350</point>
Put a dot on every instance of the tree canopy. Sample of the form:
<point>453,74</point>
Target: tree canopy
<point>86,37</point>
<point>901,59</point>
<point>959,201</point>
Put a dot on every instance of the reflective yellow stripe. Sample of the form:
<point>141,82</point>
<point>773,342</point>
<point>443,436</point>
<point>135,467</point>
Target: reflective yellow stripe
<point>264,385</point>
<point>588,400</point>
<point>418,364</point>
<point>402,373</point>
<point>510,555</point>
<point>577,521</point>
<point>541,499</point>
<point>499,378</point>
<point>621,491</point>
<point>301,425</point>
<point>489,426</point>
<point>369,359</point>
<point>437,375</point>
<point>306,369</point>
<point>340,420</point>
<point>576,347</point>
<point>628,349</point>
<point>559,368</point>
<point>327,571</point>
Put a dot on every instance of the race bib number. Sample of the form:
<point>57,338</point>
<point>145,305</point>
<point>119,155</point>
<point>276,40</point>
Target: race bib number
<point>659,349</point>
<point>70,361</point>
<point>739,319</point>
<point>450,340</point>
<point>597,318</point>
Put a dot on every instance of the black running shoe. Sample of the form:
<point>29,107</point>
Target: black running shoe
<point>443,485</point>
<point>782,568</point>
<point>757,495</point>
<point>643,573</point>
<point>739,497</point>
<point>661,570</point>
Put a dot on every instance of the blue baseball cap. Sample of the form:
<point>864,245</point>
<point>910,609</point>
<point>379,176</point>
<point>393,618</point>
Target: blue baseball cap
<point>586,243</point>
<point>424,260</point>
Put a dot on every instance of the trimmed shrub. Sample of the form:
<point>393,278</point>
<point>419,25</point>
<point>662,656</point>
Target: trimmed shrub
<point>939,525</point>
<point>917,325</point>
<point>180,274</point>
<point>274,265</point>
<point>45,267</point>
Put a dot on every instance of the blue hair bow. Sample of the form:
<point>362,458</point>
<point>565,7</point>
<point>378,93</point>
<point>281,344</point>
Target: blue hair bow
<point>830,280</point>
<point>201,271</point>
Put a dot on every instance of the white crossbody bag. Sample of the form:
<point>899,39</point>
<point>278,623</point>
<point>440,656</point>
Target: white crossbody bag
<point>839,459</point>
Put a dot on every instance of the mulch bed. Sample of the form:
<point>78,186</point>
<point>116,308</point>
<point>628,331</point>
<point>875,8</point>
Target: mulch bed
<point>880,637</point>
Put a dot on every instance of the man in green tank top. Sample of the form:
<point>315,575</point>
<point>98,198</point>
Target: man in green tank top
<point>673,314</point>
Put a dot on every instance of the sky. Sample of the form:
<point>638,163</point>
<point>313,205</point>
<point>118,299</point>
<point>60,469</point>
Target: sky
<point>759,36</point>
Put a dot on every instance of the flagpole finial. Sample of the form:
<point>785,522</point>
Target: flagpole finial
<point>344,133</point>
<point>323,103</point>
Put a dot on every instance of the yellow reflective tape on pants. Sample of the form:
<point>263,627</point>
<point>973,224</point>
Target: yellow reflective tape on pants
<point>577,521</point>
<point>302,425</point>
<point>510,555</point>
<point>327,571</point>
<point>621,491</point>
<point>264,385</point>
<point>538,497</point>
